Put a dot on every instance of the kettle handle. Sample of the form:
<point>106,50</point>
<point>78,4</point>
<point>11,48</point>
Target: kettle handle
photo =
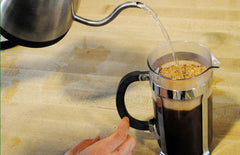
<point>108,18</point>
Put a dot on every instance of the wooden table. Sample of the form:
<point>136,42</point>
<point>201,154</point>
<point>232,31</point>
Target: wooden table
<point>53,97</point>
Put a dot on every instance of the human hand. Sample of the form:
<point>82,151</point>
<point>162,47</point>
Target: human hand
<point>117,143</point>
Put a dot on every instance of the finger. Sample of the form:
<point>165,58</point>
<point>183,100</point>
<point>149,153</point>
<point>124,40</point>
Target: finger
<point>118,127</point>
<point>82,145</point>
<point>118,137</point>
<point>124,119</point>
<point>126,147</point>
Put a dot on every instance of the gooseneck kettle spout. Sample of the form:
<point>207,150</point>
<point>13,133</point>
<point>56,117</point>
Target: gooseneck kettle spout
<point>109,18</point>
<point>40,23</point>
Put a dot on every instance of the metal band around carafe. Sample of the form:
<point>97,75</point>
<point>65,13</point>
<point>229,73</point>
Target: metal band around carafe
<point>204,91</point>
<point>181,94</point>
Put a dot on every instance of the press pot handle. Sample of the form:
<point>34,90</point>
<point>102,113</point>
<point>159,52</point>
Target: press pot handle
<point>121,107</point>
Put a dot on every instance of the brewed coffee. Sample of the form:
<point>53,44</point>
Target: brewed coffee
<point>183,125</point>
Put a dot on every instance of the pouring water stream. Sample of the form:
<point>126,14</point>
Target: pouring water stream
<point>164,32</point>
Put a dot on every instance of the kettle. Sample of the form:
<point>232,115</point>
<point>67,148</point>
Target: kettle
<point>40,23</point>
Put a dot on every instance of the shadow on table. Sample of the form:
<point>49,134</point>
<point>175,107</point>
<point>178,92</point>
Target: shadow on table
<point>152,144</point>
<point>226,112</point>
<point>85,72</point>
<point>94,73</point>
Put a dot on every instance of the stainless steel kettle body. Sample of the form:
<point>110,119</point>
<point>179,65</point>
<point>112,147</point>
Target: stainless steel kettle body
<point>40,23</point>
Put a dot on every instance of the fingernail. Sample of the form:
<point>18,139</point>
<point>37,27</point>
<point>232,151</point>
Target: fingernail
<point>126,118</point>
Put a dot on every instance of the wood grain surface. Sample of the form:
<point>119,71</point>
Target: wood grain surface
<point>54,97</point>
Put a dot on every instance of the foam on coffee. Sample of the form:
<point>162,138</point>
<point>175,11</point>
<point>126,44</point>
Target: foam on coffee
<point>178,105</point>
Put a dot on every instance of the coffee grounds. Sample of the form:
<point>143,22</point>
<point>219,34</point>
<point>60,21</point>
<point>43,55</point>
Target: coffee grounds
<point>188,71</point>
